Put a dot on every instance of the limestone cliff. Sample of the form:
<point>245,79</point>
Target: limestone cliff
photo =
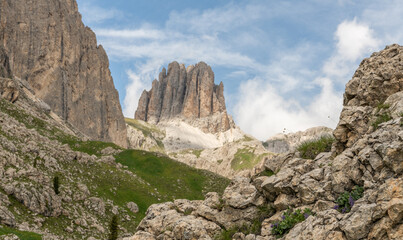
<point>189,94</point>
<point>48,45</point>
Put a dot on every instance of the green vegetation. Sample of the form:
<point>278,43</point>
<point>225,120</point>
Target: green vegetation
<point>253,227</point>
<point>310,149</point>
<point>21,234</point>
<point>151,178</point>
<point>401,119</point>
<point>267,173</point>
<point>346,200</point>
<point>381,119</point>
<point>245,158</point>
<point>382,106</point>
<point>171,178</point>
<point>289,220</point>
<point>113,228</point>
<point>196,152</point>
<point>56,184</point>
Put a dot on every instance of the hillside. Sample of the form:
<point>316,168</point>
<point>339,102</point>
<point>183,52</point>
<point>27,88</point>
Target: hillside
<point>355,191</point>
<point>36,146</point>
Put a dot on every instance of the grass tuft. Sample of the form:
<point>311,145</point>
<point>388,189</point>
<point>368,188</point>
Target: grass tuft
<point>381,119</point>
<point>311,149</point>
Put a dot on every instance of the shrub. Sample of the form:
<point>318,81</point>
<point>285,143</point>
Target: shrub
<point>347,199</point>
<point>113,228</point>
<point>310,149</point>
<point>267,173</point>
<point>289,220</point>
<point>56,184</point>
<point>381,119</point>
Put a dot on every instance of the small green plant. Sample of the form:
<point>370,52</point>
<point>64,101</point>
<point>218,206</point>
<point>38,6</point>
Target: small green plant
<point>381,119</point>
<point>267,173</point>
<point>347,199</point>
<point>113,228</point>
<point>382,106</point>
<point>56,184</point>
<point>401,119</point>
<point>220,205</point>
<point>289,220</point>
<point>310,149</point>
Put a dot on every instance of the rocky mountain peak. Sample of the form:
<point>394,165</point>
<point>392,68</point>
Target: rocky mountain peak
<point>186,93</point>
<point>47,45</point>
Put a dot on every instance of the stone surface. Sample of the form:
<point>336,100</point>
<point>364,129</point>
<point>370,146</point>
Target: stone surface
<point>133,207</point>
<point>374,81</point>
<point>48,45</point>
<point>189,94</point>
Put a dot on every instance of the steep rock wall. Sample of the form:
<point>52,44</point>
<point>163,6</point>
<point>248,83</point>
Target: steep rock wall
<point>49,46</point>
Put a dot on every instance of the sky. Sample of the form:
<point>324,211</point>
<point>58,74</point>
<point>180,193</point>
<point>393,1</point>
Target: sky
<point>284,64</point>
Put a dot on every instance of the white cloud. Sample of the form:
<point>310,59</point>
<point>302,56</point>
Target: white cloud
<point>93,14</point>
<point>132,34</point>
<point>355,39</point>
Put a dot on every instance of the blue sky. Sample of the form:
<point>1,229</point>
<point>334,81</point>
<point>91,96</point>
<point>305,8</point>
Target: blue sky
<point>284,64</point>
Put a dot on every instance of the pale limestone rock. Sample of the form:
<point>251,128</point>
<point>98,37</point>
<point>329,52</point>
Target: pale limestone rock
<point>240,193</point>
<point>133,207</point>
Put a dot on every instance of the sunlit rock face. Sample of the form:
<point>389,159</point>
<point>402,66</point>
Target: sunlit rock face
<point>189,94</point>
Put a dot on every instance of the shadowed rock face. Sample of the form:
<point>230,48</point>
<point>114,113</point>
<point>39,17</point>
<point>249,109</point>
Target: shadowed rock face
<point>185,93</point>
<point>49,46</point>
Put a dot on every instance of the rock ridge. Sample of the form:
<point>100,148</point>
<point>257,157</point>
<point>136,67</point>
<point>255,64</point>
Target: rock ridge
<point>186,93</point>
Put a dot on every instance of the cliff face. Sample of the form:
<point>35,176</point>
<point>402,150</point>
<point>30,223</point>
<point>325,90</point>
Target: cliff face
<point>188,94</point>
<point>49,46</point>
<point>377,77</point>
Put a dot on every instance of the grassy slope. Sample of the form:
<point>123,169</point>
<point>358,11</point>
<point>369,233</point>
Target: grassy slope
<point>21,234</point>
<point>245,158</point>
<point>155,178</point>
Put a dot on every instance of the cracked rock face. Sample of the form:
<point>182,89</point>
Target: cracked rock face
<point>189,94</point>
<point>48,45</point>
<point>374,81</point>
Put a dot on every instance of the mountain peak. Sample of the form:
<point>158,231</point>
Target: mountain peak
<point>186,93</point>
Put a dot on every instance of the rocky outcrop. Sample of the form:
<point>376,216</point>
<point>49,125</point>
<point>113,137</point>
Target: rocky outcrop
<point>371,160</point>
<point>189,94</point>
<point>282,143</point>
<point>375,80</point>
<point>48,45</point>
